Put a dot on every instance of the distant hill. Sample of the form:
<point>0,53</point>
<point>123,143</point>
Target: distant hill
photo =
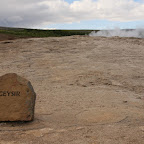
<point>10,28</point>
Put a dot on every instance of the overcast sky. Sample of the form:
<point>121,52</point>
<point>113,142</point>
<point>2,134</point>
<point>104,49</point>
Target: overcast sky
<point>72,14</point>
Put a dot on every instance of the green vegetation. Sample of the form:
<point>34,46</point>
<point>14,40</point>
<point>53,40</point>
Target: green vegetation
<point>19,32</point>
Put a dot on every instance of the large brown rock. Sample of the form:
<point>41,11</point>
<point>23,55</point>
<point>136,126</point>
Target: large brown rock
<point>17,98</point>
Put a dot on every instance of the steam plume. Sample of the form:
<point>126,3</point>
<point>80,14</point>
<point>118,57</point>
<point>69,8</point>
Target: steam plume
<point>138,33</point>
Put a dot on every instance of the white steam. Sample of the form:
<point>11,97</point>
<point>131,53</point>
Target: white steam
<point>138,33</point>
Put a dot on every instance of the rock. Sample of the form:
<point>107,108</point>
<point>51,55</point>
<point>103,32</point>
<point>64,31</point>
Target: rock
<point>17,98</point>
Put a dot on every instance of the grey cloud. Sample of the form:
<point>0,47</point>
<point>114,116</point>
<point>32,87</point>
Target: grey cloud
<point>36,13</point>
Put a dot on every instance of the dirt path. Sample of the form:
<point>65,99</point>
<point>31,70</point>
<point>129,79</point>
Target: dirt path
<point>90,90</point>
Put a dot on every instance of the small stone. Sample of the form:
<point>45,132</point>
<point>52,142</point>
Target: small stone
<point>84,86</point>
<point>138,98</point>
<point>125,101</point>
<point>17,98</point>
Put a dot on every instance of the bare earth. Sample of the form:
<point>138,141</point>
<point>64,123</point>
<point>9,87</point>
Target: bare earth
<point>90,90</point>
<point>7,37</point>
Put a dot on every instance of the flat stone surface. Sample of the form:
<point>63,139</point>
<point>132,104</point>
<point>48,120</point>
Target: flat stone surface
<point>101,116</point>
<point>17,98</point>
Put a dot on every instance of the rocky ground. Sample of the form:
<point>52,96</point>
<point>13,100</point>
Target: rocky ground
<point>90,90</point>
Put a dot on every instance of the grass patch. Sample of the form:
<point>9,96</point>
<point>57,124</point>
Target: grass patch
<point>42,33</point>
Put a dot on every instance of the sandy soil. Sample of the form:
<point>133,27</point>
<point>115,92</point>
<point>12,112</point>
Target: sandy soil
<point>90,90</point>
